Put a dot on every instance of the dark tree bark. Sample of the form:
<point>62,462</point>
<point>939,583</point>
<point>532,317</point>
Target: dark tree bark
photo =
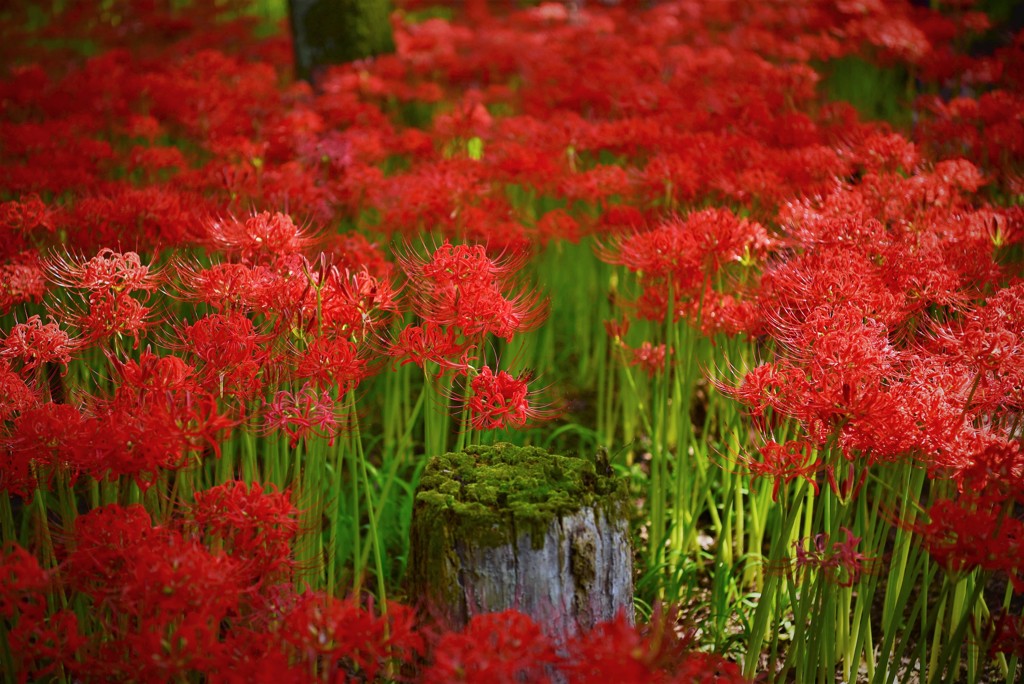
<point>326,32</point>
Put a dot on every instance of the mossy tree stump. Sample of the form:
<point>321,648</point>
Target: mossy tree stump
<point>505,527</point>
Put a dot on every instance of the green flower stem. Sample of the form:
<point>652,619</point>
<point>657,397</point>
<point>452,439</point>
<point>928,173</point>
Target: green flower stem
<point>437,419</point>
<point>767,605</point>
<point>374,513</point>
<point>7,524</point>
<point>334,468</point>
<point>887,670</point>
<point>354,512</point>
<point>966,594</point>
<point>48,552</point>
<point>10,673</point>
<point>250,465</point>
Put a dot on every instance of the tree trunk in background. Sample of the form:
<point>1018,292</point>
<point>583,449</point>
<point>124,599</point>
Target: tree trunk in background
<point>326,32</point>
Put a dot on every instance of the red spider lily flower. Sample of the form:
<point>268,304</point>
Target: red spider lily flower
<point>38,643</point>
<point>261,238</point>
<point>107,281</point>
<point>837,371</point>
<point>158,418</point>
<point>558,225</point>
<point>841,562</point>
<point>298,187</point>
<point>232,352</point>
<point>35,343</point>
<point>342,632</point>
<point>225,287</point>
<point>177,596</point>
<point>204,424</point>
<point>23,583</point>
<point>429,342</point>
<point>691,249</point>
<point>42,645</point>
<point>453,265</point>
<point>168,596</point>
<point>110,315</point>
<point>500,401</point>
<point>153,215</point>
<point>621,218</point>
<point>102,545</point>
<point>460,286</point>
<point>250,657</point>
<point>847,558</point>
<point>331,362</point>
<point>26,215</point>
<point>483,310</point>
<point>847,356</point>
<point>707,668</point>
<point>919,409</point>
<point>596,184</point>
<point>256,526</point>
<point>992,467</point>
<point>972,533</point>
<point>152,159</point>
<point>353,252</point>
<point>766,387</point>
<point>990,340</point>
<point>15,395</point>
<point>617,330</point>
<point>1007,635</point>
<point>798,285</point>
<point>138,441</point>
<point>847,488</point>
<point>617,651</point>
<point>813,553</point>
<point>786,462</point>
<point>650,359</point>
<point>612,651</point>
<point>658,253</point>
<point>348,304</point>
<point>22,280</point>
<point>305,414</point>
<point>469,118</point>
<point>107,272</point>
<point>152,374</point>
<point>42,438</point>
<point>498,648</point>
<point>727,314</point>
<point>168,387</point>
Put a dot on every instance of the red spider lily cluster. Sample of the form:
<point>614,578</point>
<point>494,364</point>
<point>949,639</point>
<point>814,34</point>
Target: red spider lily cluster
<point>197,283</point>
<point>159,592</point>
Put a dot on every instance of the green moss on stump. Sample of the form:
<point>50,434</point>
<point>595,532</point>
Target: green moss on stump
<point>490,495</point>
<point>470,553</point>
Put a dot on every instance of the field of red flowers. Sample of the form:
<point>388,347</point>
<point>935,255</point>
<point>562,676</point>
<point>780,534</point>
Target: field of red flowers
<point>238,313</point>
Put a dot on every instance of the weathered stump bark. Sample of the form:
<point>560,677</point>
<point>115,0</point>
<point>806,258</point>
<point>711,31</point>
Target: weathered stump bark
<point>505,527</point>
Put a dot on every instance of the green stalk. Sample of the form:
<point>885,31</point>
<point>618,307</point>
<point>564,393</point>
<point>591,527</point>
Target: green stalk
<point>10,672</point>
<point>961,613</point>
<point>335,499</point>
<point>354,467</point>
<point>49,555</point>
<point>886,673</point>
<point>766,604</point>
<point>250,467</point>
<point>7,526</point>
<point>374,536</point>
<point>437,419</point>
